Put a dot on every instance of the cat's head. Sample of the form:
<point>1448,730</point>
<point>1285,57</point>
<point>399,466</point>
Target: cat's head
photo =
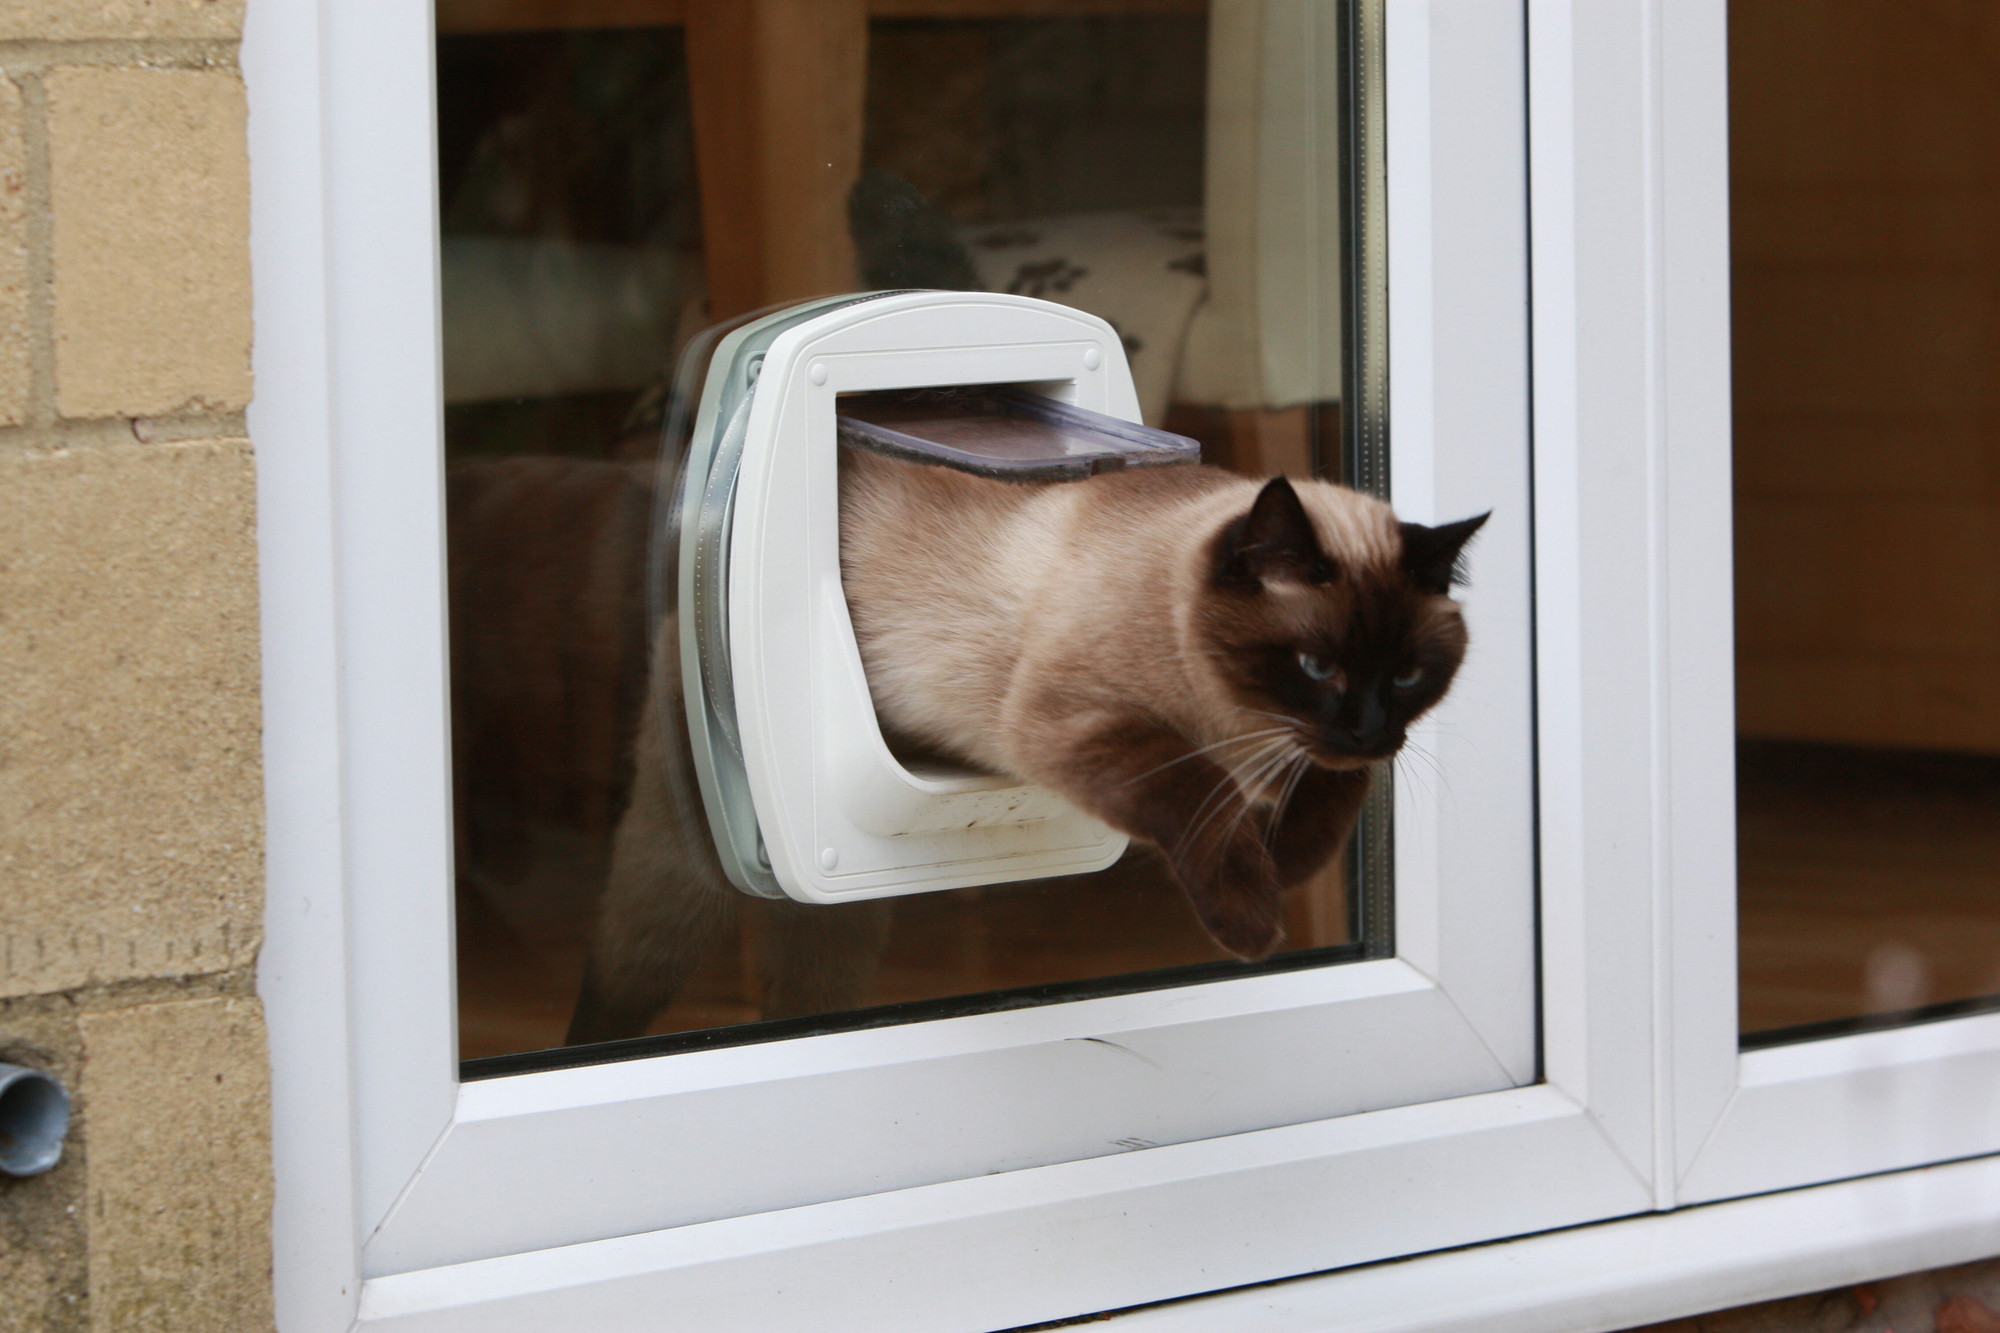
<point>1348,646</point>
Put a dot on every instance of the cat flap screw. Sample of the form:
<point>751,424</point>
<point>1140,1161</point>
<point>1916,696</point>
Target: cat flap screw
<point>787,751</point>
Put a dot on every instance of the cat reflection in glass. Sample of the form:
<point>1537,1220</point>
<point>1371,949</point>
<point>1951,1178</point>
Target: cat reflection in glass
<point>1209,665</point>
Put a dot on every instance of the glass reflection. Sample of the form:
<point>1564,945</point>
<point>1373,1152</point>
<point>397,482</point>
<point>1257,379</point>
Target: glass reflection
<point>606,194</point>
<point>1865,176</point>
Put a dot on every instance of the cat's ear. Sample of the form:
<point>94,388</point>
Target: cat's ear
<point>1434,557</point>
<point>1274,542</point>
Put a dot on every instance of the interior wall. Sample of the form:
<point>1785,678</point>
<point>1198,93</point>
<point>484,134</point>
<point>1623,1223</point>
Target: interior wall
<point>1865,180</point>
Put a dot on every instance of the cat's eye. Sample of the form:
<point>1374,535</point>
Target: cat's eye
<point>1408,680</point>
<point>1320,668</point>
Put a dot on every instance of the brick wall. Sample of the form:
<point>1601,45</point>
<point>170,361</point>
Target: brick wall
<point>130,807</point>
<point>1944,1300</point>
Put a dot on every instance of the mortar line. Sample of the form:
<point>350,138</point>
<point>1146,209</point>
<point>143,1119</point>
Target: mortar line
<point>39,238</point>
<point>36,56</point>
<point>89,432</point>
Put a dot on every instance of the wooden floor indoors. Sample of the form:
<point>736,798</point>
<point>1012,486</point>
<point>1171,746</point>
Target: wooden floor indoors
<point>1869,881</point>
<point>516,996</point>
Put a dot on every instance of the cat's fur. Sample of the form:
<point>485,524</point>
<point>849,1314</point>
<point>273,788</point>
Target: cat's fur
<point>542,721</point>
<point>1134,642</point>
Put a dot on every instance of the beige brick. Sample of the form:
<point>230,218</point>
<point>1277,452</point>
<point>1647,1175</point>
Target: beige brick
<point>150,189</point>
<point>78,20</point>
<point>13,260</point>
<point>130,801</point>
<point>177,1100</point>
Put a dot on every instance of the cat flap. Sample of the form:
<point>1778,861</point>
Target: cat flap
<point>802,794</point>
<point>1004,431</point>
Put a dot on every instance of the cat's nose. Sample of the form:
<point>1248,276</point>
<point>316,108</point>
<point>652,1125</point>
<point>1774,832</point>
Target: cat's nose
<point>1384,741</point>
<point>1366,732</point>
<point>1371,720</point>
<point>1355,741</point>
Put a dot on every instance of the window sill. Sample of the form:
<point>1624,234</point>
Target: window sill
<point>1618,1275</point>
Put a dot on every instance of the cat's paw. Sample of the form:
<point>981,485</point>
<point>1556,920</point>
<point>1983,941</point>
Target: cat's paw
<point>1235,891</point>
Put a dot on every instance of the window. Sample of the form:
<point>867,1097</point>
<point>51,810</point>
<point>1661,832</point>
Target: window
<point>1865,872</point>
<point>1554,1041</point>
<point>1866,774</point>
<point>1064,155</point>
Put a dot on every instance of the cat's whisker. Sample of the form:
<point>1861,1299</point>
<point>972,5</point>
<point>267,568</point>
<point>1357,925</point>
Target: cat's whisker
<point>1301,764</point>
<point>1231,786</point>
<point>1196,754</point>
<point>1227,785</point>
<point>1286,780</point>
<point>1235,785</point>
<point>1244,808</point>
<point>1244,778</point>
<point>1415,751</point>
<point>1218,797</point>
<point>1443,774</point>
<point>1414,778</point>
<point>1274,738</point>
<point>1433,769</point>
<point>1282,780</point>
<point>1292,722</point>
<point>1262,764</point>
<point>1297,727</point>
<point>1267,772</point>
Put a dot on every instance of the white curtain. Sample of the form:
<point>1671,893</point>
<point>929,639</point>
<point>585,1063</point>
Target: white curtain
<point>1268,334</point>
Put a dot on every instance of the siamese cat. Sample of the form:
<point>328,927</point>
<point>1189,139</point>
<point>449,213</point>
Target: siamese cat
<point>1209,664</point>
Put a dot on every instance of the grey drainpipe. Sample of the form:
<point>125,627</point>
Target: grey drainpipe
<point>34,1116</point>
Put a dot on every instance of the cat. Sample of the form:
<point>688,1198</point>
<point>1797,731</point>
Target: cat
<point>543,720</point>
<point>1209,665</point>
<point>1206,664</point>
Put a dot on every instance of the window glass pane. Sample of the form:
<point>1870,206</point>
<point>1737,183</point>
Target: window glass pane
<point>616,179</point>
<point>1865,174</point>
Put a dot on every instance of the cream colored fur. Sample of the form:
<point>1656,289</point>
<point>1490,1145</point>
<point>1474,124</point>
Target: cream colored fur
<point>972,598</point>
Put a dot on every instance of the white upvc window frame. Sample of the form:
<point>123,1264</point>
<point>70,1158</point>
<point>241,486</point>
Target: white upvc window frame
<point>390,1213</point>
<point>1629,138</point>
<point>1629,134</point>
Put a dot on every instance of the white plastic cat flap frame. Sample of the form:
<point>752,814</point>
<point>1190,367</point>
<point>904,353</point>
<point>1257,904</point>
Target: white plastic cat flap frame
<point>803,794</point>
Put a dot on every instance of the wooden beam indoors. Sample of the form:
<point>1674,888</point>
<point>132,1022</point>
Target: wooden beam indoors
<point>1026,9</point>
<point>457,17</point>
<point>777,88</point>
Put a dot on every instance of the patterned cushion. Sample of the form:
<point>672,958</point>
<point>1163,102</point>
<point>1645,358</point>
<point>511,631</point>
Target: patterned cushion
<point>1143,271</point>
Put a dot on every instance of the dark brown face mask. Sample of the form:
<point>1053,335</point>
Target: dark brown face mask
<point>1353,655</point>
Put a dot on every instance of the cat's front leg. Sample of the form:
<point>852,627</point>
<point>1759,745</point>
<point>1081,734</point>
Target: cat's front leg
<point>1149,782</point>
<point>1315,821</point>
